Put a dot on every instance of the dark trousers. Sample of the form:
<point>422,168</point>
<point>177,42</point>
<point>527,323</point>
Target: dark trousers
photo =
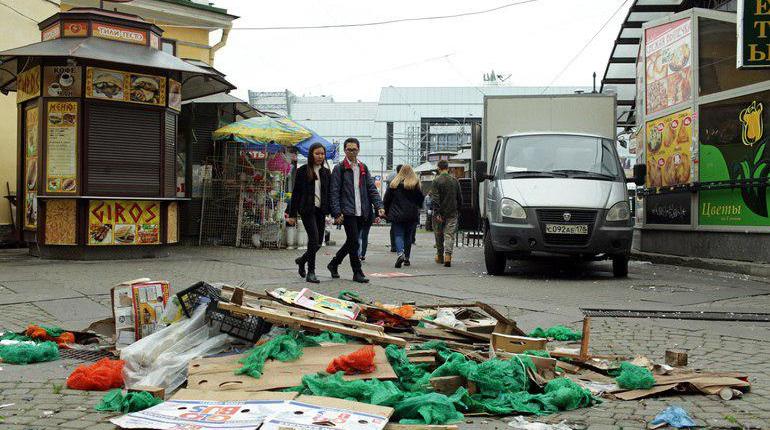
<point>353,225</point>
<point>363,239</point>
<point>314,226</point>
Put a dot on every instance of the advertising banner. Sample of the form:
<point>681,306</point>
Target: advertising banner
<point>734,147</point>
<point>753,34</point>
<point>124,86</point>
<point>31,148</point>
<point>174,95</point>
<point>668,76</point>
<point>28,84</point>
<point>123,222</point>
<point>75,28</point>
<point>62,81</point>
<point>62,147</point>
<point>118,33</point>
<point>669,141</point>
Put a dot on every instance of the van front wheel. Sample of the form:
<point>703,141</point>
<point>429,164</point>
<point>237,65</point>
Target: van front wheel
<point>620,266</point>
<point>495,261</point>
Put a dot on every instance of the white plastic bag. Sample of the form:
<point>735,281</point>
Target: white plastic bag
<point>447,317</point>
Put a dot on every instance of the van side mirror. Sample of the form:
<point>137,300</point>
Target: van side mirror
<point>481,172</point>
<point>640,174</point>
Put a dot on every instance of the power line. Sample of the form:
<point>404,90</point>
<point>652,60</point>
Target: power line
<point>370,24</point>
<point>558,75</point>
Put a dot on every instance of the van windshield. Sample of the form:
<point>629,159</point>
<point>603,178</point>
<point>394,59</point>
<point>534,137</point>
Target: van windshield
<point>581,157</point>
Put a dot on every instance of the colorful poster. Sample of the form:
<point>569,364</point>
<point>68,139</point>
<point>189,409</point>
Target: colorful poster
<point>31,147</point>
<point>668,64</point>
<point>123,222</point>
<point>28,84</point>
<point>118,33</point>
<point>147,89</point>
<point>106,84</point>
<point>62,81</point>
<point>174,95</point>
<point>61,148</point>
<point>669,141</point>
<point>76,29</point>
<point>149,299</point>
<point>154,41</point>
<point>734,147</point>
<point>202,415</point>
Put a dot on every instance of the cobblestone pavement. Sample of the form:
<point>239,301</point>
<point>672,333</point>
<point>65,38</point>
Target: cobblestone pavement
<point>74,294</point>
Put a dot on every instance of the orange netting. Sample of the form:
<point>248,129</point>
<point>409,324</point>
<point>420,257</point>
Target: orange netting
<point>361,361</point>
<point>103,375</point>
<point>39,333</point>
<point>406,311</point>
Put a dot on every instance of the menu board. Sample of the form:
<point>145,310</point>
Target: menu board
<point>669,141</point>
<point>28,84</point>
<point>668,65</point>
<point>123,222</point>
<point>61,147</point>
<point>124,86</point>
<point>62,81</point>
<point>31,147</point>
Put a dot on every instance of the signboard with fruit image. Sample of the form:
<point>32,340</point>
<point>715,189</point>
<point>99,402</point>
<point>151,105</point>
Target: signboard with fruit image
<point>668,152</point>
<point>734,147</point>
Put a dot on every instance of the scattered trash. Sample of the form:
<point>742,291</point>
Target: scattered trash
<point>520,423</point>
<point>674,416</point>
<point>557,332</point>
<point>116,401</point>
<point>361,361</point>
<point>103,375</point>
<point>634,377</point>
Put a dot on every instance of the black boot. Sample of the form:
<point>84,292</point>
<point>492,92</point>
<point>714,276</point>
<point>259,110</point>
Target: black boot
<point>360,278</point>
<point>300,262</point>
<point>312,278</point>
<point>407,263</point>
<point>332,266</point>
<point>399,261</point>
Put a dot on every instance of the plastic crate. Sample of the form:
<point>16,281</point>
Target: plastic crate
<point>247,327</point>
<point>198,293</point>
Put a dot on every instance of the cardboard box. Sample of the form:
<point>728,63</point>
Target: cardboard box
<point>137,307</point>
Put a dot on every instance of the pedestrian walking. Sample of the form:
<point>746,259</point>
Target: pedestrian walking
<point>352,193</point>
<point>310,199</point>
<point>402,207</point>
<point>446,200</point>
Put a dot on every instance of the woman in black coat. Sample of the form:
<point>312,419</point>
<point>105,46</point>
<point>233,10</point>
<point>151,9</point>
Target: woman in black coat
<point>402,207</point>
<point>310,199</point>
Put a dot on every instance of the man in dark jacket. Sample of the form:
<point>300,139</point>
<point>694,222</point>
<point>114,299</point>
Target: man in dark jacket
<point>446,200</point>
<point>352,193</point>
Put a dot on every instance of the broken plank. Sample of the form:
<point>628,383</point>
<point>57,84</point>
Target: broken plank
<point>461,332</point>
<point>504,325</point>
<point>447,384</point>
<point>517,344</point>
<point>271,304</point>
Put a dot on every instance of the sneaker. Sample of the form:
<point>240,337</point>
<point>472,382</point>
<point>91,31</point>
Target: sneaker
<point>399,261</point>
<point>332,266</point>
<point>300,267</point>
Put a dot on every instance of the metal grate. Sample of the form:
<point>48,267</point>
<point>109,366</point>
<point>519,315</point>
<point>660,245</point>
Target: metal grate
<point>86,356</point>
<point>677,315</point>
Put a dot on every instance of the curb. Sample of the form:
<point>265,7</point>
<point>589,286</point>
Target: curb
<point>735,266</point>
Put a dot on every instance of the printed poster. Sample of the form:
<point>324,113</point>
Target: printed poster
<point>200,415</point>
<point>668,76</point>
<point>147,89</point>
<point>31,147</point>
<point>62,81</point>
<point>61,148</point>
<point>303,416</point>
<point>106,84</point>
<point>123,222</point>
<point>149,300</point>
<point>669,141</point>
<point>734,147</point>
<point>28,84</point>
<point>174,95</point>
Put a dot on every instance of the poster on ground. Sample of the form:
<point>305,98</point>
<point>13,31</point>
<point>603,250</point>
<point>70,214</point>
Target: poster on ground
<point>734,148</point>
<point>31,147</point>
<point>123,222</point>
<point>668,65</point>
<point>61,147</point>
<point>198,414</point>
<point>669,141</point>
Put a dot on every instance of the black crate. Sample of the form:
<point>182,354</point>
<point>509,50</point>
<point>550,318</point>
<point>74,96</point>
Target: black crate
<point>198,293</point>
<point>247,327</point>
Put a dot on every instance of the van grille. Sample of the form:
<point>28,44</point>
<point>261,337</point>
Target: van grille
<point>556,216</point>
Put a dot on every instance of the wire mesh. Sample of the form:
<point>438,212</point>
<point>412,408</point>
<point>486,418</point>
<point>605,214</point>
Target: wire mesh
<point>244,197</point>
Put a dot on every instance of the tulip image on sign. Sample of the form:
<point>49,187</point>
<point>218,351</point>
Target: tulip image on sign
<point>751,121</point>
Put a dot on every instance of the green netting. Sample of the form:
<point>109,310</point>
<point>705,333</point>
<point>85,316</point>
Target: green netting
<point>283,348</point>
<point>633,377</point>
<point>52,331</point>
<point>431,408</point>
<point>429,318</point>
<point>323,337</point>
<point>537,353</point>
<point>25,352</point>
<point>349,295</point>
<point>9,335</point>
<point>558,332</point>
<point>116,401</point>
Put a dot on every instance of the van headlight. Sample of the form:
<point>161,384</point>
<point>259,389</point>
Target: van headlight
<point>619,212</point>
<point>511,209</point>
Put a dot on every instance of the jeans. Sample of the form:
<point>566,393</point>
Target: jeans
<point>353,225</point>
<point>363,239</point>
<point>403,232</point>
<point>314,226</point>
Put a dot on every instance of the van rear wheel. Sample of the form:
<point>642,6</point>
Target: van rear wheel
<point>620,266</point>
<point>494,260</point>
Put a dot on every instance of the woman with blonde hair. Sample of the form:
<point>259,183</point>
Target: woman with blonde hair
<point>402,208</point>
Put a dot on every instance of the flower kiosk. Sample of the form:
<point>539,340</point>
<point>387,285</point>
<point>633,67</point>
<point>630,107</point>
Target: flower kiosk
<point>98,107</point>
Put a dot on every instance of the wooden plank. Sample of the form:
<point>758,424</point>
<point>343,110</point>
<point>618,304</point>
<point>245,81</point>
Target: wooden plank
<point>584,351</point>
<point>447,384</point>
<point>330,402</point>
<point>272,304</point>
<point>218,373</point>
<point>317,322</point>
<point>461,332</point>
<point>504,325</point>
<point>437,333</point>
<point>516,344</point>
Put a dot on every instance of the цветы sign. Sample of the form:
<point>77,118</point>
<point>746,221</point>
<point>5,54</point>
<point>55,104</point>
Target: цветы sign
<point>753,33</point>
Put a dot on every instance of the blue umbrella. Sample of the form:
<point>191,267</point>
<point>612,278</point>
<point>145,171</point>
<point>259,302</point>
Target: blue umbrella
<point>304,146</point>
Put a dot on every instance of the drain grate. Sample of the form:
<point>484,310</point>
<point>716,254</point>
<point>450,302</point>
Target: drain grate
<point>677,315</point>
<point>86,356</point>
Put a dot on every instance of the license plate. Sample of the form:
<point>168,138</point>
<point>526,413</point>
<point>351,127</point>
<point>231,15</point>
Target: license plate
<point>566,229</point>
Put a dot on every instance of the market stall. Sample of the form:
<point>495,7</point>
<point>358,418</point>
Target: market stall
<point>98,107</point>
<point>700,133</point>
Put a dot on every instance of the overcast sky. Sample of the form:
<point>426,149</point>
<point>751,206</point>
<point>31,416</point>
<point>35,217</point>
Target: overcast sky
<point>532,42</point>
